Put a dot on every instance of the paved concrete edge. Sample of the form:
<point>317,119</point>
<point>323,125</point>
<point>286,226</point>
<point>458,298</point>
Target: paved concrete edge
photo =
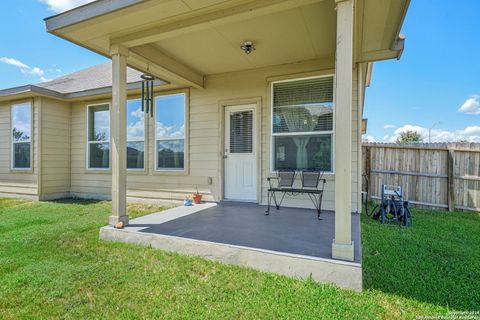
<point>343,274</point>
<point>169,214</point>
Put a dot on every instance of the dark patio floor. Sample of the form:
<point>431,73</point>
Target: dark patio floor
<point>288,230</point>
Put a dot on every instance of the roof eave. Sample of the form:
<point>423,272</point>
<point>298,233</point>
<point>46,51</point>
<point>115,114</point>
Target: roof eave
<point>32,90</point>
<point>86,12</point>
<point>399,45</point>
<point>395,52</point>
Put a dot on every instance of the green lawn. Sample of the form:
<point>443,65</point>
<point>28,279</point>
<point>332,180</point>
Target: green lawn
<point>53,265</point>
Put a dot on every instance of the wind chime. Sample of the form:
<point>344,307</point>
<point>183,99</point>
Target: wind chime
<point>147,93</point>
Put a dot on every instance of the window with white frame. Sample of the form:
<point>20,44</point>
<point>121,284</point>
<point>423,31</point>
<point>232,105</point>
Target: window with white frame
<point>170,131</point>
<point>21,136</point>
<point>135,135</point>
<point>302,124</point>
<point>98,145</point>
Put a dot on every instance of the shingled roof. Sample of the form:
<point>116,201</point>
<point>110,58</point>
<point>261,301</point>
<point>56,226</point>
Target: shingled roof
<point>99,76</point>
<point>87,82</point>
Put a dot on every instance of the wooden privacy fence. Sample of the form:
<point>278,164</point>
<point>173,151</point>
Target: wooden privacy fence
<point>439,175</point>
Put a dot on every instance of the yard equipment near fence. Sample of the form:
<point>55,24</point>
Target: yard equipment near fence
<point>392,207</point>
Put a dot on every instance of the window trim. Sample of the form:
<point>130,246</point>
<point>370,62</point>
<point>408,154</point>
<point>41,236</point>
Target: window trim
<point>329,132</point>
<point>145,150</point>
<point>30,141</point>
<point>185,136</point>
<point>88,142</point>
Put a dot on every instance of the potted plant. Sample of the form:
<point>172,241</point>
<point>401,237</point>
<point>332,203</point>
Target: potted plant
<point>197,197</point>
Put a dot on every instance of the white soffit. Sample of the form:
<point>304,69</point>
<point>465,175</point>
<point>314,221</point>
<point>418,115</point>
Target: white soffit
<point>298,34</point>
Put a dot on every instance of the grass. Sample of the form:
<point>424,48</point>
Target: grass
<point>52,265</point>
<point>7,203</point>
<point>435,261</point>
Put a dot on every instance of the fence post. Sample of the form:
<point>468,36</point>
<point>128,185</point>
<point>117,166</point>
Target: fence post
<point>450,181</point>
<point>368,165</point>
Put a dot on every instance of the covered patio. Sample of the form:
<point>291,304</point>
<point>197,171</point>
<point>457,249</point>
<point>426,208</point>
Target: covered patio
<point>319,53</point>
<point>289,241</point>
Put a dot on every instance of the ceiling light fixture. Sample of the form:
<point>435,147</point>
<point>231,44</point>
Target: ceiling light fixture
<point>248,47</point>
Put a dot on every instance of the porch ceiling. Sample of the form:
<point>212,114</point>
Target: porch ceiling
<point>183,40</point>
<point>298,34</point>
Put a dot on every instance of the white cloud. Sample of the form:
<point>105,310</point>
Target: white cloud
<point>136,125</point>
<point>170,131</point>
<point>136,131</point>
<point>389,126</point>
<point>137,113</point>
<point>58,6</point>
<point>24,68</point>
<point>369,138</point>
<point>35,71</point>
<point>14,62</point>
<point>21,119</point>
<point>471,105</point>
<point>471,134</point>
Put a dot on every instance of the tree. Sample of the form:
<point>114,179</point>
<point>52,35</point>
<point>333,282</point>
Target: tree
<point>409,136</point>
<point>19,135</point>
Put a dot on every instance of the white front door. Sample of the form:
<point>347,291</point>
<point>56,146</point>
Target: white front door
<point>240,154</point>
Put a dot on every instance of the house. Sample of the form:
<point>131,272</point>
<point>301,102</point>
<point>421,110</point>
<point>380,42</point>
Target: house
<point>38,138</point>
<point>288,75</point>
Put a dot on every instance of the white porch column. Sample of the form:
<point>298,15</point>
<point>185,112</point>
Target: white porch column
<point>119,135</point>
<point>342,246</point>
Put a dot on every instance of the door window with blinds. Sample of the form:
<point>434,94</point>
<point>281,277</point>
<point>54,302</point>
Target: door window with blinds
<point>241,132</point>
<point>302,124</point>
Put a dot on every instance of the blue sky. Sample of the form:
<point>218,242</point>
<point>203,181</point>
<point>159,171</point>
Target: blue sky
<point>439,70</point>
<point>437,74</point>
<point>170,124</point>
<point>24,39</point>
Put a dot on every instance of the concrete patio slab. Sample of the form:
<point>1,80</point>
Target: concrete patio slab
<point>289,241</point>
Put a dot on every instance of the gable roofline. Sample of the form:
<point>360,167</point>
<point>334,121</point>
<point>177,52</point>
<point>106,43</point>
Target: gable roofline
<point>85,83</point>
<point>34,90</point>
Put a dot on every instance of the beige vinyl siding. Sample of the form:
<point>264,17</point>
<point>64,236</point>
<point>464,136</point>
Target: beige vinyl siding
<point>55,146</point>
<point>85,183</point>
<point>205,137</point>
<point>17,183</point>
<point>141,184</point>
